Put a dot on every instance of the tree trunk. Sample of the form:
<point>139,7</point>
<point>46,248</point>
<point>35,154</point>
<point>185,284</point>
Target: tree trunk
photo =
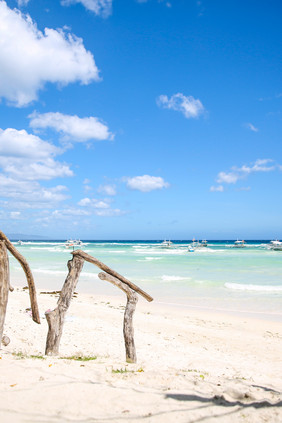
<point>4,285</point>
<point>128,331</point>
<point>29,277</point>
<point>55,318</point>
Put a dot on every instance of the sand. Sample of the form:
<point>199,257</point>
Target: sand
<point>192,365</point>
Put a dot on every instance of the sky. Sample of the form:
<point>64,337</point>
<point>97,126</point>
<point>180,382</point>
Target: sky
<point>141,119</point>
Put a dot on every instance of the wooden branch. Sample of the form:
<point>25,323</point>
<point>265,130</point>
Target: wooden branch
<point>56,318</point>
<point>111,272</point>
<point>4,285</point>
<point>28,274</point>
<point>128,331</point>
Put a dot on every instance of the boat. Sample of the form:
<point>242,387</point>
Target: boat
<point>20,242</point>
<point>166,244</point>
<point>193,246</point>
<point>239,244</point>
<point>73,243</point>
<point>203,243</point>
<point>275,245</point>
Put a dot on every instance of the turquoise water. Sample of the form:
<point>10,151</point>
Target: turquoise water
<point>217,277</point>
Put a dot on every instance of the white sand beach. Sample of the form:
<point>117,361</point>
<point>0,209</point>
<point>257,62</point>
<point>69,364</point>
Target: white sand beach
<point>192,366</point>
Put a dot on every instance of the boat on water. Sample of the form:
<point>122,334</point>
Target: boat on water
<point>166,244</point>
<point>203,243</point>
<point>239,244</point>
<point>73,243</point>
<point>275,245</point>
<point>20,242</point>
<point>197,244</point>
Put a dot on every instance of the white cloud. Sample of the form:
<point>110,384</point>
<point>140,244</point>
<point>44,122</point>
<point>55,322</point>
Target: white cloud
<point>27,157</point>
<point>97,204</point>
<point>110,212</point>
<point>100,207</point>
<point>61,214</point>
<point>218,188</point>
<point>107,189</point>
<point>189,106</point>
<point>15,215</point>
<point>71,127</point>
<point>228,178</point>
<point>18,143</point>
<point>99,7</point>
<point>251,127</point>
<point>30,58</point>
<point>236,173</point>
<point>22,2</point>
<point>146,183</point>
<point>22,192</point>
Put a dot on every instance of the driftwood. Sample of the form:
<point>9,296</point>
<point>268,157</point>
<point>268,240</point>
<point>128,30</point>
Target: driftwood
<point>128,331</point>
<point>29,277</point>
<point>4,285</point>
<point>111,272</point>
<point>56,318</point>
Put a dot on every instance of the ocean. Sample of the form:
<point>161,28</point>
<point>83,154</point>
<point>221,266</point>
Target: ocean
<point>217,277</point>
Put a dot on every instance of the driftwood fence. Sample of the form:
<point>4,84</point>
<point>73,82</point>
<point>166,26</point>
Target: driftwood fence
<point>5,286</point>
<point>55,318</point>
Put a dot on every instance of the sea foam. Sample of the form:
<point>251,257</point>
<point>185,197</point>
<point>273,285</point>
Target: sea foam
<point>250,287</point>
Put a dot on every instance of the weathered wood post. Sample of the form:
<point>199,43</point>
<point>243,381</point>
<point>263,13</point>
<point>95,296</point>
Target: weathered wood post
<point>128,331</point>
<point>28,274</point>
<point>56,318</point>
<point>4,285</point>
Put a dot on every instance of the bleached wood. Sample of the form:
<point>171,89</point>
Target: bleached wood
<point>55,318</point>
<point>4,285</point>
<point>28,274</point>
<point>128,331</point>
<point>111,272</point>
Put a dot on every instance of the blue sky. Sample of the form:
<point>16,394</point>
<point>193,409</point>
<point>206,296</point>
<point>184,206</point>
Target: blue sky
<point>126,119</point>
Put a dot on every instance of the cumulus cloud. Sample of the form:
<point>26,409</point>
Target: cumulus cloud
<point>93,202</point>
<point>99,7</point>
<point>30,58</point>
<point>236,173</point>
<point>22,192</point>
<point>24,160</point>
<point>107,189</point>
<point>71,127</point>
<point>27,157</point>
<point>146,183</point>
<point>251,127</point>
<point>100,207</point>
<point>189,106</point>
<point>218,188</point>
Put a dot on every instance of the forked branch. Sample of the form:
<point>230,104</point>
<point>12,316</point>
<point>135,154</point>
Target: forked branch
<point>28,274</point>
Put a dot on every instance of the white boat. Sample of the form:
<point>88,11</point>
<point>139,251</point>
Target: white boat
<point>275,245</point>
<point>203,243</point>
<point>166,244</point>
<point>20,242</point>
<point>73,243</point>
<point>239,244</point>
<point>193,246</point>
